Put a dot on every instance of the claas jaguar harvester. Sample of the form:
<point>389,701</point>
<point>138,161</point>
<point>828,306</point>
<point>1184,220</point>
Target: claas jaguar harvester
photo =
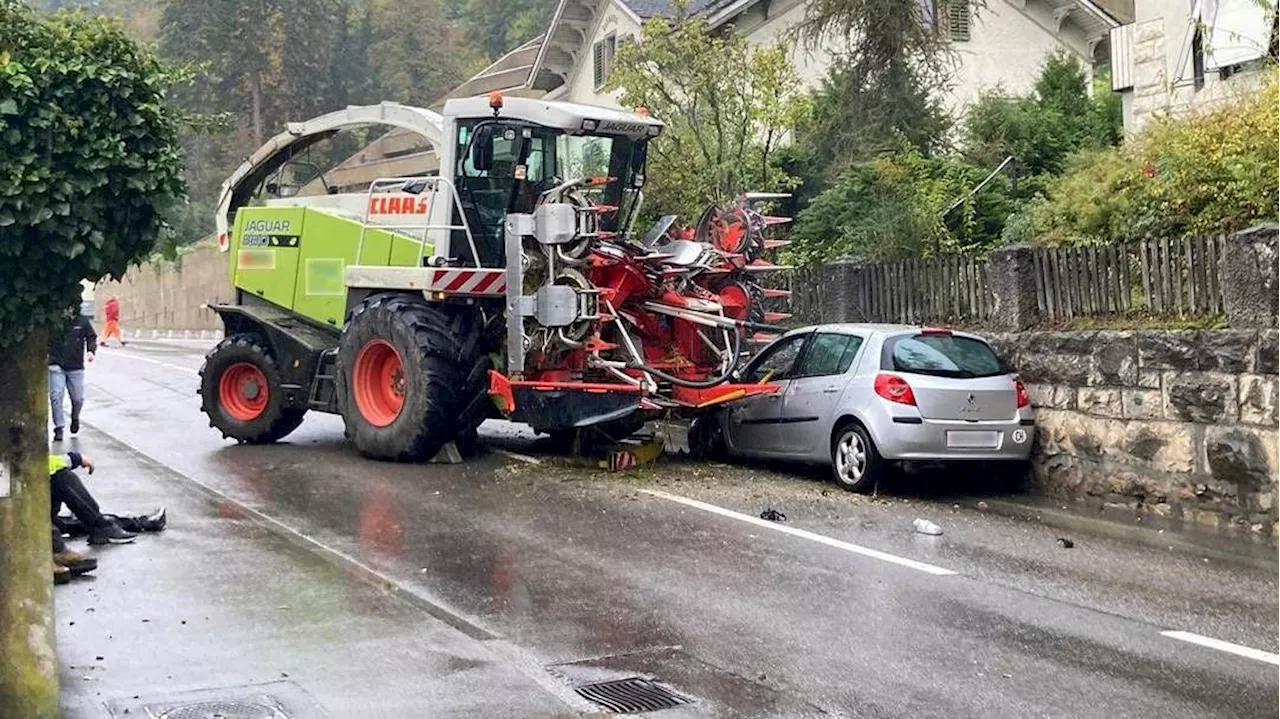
<point>511,283</point>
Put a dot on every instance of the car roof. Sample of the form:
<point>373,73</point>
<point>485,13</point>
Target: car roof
<point>868,328</point>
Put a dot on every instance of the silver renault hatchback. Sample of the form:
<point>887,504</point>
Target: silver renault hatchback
<point>859,396</point>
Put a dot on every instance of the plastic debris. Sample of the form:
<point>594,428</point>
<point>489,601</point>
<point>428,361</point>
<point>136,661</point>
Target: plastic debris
<point>924,526</point>
<point>773,515</point>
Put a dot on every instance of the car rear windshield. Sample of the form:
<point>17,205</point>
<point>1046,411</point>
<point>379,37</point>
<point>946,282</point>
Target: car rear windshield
<point>942,356</point>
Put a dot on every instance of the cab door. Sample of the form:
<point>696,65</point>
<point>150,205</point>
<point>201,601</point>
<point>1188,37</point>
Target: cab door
<point>753,421</point>
<point>812,397</point>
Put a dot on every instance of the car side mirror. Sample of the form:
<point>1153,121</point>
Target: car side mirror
<point>639,156</point>
<point>414,187</point>
<point>482,148</point>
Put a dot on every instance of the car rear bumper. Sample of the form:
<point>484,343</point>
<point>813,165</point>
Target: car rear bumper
<point>923,439</point>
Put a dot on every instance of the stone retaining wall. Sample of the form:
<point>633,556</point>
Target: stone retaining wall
<point>171,296</point>
<point>1181,424</point>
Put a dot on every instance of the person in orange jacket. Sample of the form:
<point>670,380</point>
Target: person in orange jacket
<point>112,310</point>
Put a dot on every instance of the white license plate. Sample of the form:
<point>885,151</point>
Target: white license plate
<point>963,439</point>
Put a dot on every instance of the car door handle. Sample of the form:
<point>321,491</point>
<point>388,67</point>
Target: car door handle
<point>830,390</point>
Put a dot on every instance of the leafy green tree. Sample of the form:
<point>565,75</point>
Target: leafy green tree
<point>884,87</point>
<point>417,62</point>
<point>89,165</point>
<point>497,26</point>
<point>1042,130</point>
<point>728,108</point>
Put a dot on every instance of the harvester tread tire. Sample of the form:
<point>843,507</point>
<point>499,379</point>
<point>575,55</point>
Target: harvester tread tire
<point>436,345</point>
<point>476,406</point>
<point>275,421</point>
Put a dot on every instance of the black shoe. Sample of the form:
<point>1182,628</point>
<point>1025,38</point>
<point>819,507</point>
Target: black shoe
<point>57,434</point>
<point>110,533</point>
<point>70,526</point>
<point>153,522</point>
<point>75,425</point>
<point>61,575</point>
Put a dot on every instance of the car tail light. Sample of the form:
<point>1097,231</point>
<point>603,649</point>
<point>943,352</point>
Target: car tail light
<point>1024,400</point>
<point>895,389</point>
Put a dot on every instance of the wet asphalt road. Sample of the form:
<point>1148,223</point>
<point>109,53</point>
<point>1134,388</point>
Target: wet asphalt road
<point>653,573</point>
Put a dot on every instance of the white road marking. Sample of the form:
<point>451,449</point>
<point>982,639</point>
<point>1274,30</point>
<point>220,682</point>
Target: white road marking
<point>803,534</point>
<point>1237,649</point>
<point>130,355</point>
<point>516,455</point>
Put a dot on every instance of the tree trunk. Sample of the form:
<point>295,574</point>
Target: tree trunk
<point>256,90</point>
<point>28,666</point>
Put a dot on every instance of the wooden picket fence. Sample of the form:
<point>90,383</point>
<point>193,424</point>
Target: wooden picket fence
<point>1163,277</point>
<point>946,289</point>
<point>1158,277</point>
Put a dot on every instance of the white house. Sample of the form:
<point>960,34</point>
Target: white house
<point>1002,44</point>
<point>1180,55</point>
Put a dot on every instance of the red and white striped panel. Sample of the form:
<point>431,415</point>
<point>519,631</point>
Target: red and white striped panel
<point>470,282</point>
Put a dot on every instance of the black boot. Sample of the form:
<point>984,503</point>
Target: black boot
<point>110,533</point>
<point>153,522</point>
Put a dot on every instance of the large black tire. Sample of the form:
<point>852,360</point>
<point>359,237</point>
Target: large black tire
<point>438,349</point>
<point>243,416</point>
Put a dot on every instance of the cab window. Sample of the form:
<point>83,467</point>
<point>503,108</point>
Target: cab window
<point>776,362</point>
<point>488,195</point>
<point>830,353</point>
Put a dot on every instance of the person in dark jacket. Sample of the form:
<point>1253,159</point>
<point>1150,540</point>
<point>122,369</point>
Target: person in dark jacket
<point>67,352</point>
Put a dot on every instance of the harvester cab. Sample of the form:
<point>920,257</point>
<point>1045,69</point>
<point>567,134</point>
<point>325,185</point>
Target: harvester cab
<point>510,282</point>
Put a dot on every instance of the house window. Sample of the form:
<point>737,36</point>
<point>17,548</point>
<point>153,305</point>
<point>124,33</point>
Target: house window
<point>1197,58</point>
<point>602,54</point>
<point>958,20</point>
<point>928,12</point>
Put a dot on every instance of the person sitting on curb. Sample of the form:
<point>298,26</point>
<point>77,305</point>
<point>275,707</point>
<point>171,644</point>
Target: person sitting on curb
<point>66,488</point>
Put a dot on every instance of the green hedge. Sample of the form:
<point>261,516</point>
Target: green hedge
<point>1208,173</point>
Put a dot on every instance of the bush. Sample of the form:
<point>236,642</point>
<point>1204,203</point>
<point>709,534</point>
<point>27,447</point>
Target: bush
<point>902,205</point>
<point>1205,174</point>
<point>1042,130</point>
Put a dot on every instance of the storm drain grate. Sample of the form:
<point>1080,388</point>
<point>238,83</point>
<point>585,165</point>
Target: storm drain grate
<point>223,710</point>
<point>631,696</point>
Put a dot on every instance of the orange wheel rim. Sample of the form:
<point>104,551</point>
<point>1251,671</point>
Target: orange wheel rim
<point>377,381</point>
<point>734,299</point>
<point>243,391</point>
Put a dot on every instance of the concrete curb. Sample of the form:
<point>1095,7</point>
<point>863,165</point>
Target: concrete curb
<point>1258,555</point>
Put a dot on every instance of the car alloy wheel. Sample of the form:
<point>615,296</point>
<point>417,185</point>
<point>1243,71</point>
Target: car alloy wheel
<point>851,458</point>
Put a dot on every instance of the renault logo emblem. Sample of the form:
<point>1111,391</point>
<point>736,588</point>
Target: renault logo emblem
<point>971,398</point>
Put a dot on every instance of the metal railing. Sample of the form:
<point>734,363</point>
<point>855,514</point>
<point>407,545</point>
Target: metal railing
<point>389,185</point>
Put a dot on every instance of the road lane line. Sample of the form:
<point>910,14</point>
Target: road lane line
<point>803,534</point>
<point>130,355</point>
<point>1230,648</point>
